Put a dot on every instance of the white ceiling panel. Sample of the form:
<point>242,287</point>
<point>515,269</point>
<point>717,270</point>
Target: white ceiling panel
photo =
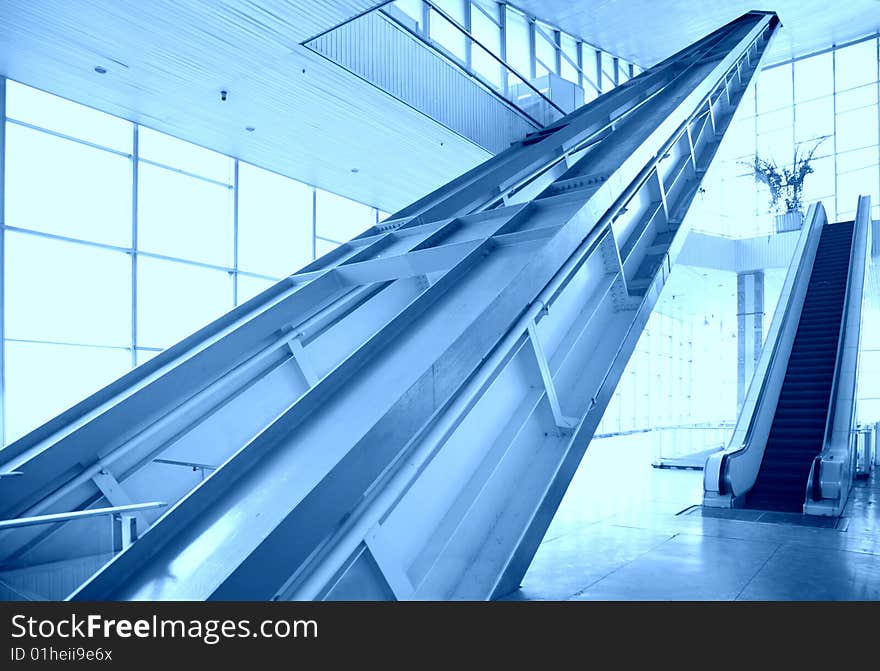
<point>168,60</point>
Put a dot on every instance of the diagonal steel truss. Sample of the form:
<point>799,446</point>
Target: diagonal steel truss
<point>401,418</point>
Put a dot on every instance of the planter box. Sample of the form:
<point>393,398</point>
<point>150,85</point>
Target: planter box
<point>790,221</point>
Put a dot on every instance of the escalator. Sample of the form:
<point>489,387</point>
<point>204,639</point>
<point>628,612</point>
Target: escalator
<point>400,418</point>
<point>798,429</point>
<point>793,449</point>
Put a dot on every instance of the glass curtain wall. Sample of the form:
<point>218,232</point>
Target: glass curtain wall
<point>119,241</point>
<point>827,101</point>
<point>685,365</point>
<point>530,47</point>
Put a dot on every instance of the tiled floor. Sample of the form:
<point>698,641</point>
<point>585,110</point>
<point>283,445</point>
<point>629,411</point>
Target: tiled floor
<point>616,536</point>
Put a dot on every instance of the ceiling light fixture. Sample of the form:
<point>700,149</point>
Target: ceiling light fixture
<point>100,70</point>
<point>250,129</point>
<point>355,169</point>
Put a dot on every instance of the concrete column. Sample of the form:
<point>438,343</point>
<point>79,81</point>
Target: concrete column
<point>750,328</point>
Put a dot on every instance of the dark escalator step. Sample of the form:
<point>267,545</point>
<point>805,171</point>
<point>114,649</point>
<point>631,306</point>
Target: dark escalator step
<point>813,398</point>
<point>782,438</point>
<point>807,388</point>
<point>811,389</point>
<point>797,438</point>
<point>789,489</point>
<point>810,357</point>
<point>774,506</point>
<point>817,338</point>
<point>787,462</point>
<point>827,304</point>
<point>792,497</point>
<point>825,301</point>
<point>806,359</point>
<point>796,443</point>
<point>789,412</point>
<point>814,392</point>
<point>809,323</point>
<point>799,427</point>
<point>788,433</point>
<point>806,364</point>
<point>800,374</point>
<point>799,452</point>
<point>800,401</point>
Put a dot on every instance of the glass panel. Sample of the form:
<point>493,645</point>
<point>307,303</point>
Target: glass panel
<point>748,105</point>
<point>324,247</point>
<point>63,116</point>
<point>176,299</point>
<point>853,160</point>
<point>184,156</point>
<point>445,33</point>
<point>412,9</point>
<point>382,216</point>
<point>545,49</point>
<point>569,50</point>
<point>66,292</point>
<point>518,51</point>
<point>739,140</point>
<point>184,216</point>
<point>67,188</point>
<point>44,380</point>
<point>813,77</point>
<point>856,129</point>
<point>863,96</point>
<point>819,185</point>
<point>815,119</point>
<point>591,78</point>
<point>622,71</point>
<point>607,72</point>
<point>775,120</point>
<point>274,222</point>
<point>862,182</point>
<point>248,287</point>
<point>341,219</point>
<point>488,34</point>
<point>855,65</point>
<point>868,406</point>
<point>774,88</point>
<point>144,355</point>
<point>775,141</point>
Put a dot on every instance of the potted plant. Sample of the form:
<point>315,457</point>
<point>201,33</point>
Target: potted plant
<point>786,185</point>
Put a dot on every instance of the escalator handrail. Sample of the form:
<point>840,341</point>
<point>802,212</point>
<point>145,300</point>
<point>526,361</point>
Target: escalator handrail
<point>841,338</point>
<point>815,489</point>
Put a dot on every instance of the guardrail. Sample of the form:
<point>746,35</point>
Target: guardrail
<point>123,520</point>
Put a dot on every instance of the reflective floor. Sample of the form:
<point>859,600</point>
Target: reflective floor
<point>617,536</point>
